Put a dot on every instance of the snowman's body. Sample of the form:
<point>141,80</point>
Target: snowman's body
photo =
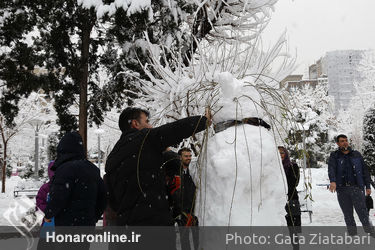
<point>244,182</point>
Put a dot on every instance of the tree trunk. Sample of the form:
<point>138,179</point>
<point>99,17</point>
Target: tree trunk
<point>3,169</point>
<point>4,155</point>
<point>83,84</point>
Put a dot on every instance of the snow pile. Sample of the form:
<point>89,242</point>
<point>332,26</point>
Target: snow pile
<point>237,101</point>
<point>244,181</point>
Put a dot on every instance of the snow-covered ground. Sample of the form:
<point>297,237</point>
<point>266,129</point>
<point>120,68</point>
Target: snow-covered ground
<point>16,206</point>
<point>326,210</point>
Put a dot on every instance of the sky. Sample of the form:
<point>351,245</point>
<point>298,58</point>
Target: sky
<point>317,26</point>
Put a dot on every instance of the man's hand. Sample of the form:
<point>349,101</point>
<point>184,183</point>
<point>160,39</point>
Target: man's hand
<point>47,220</point>
<point>208,116</point>
<point>368,191</point>
<point>332,187</point>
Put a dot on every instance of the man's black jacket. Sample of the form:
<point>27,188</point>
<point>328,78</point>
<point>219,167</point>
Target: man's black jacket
<point>188,195</point>
<point>77,192</point>
<point>182,195</point>
<point>136,177</point>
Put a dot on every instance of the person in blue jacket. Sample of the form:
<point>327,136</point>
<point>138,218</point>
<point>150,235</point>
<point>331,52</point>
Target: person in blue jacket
<point>350,178</point>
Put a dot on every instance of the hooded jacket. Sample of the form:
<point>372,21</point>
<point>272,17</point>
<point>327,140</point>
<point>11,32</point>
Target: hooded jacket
<point>77,192</point>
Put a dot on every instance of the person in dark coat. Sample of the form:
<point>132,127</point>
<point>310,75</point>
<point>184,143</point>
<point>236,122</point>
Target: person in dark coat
<point>292,207</point>
<point>77,192</point>
<point>188,188</point>
<point>136,178</point>
<point>187,203</point>
<point>135,175</point>
<point>41,197</point>
<point>182,195</point>
<point>350,177</point>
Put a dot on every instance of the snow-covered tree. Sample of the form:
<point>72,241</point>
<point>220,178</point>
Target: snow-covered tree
<point>369,139</point>
<point>350,122</point>
<point>312,110</point>
<point>36,106</point>
<point>52,143</point>
<point>88,52</point>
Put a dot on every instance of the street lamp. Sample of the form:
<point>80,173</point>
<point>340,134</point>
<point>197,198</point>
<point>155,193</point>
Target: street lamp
<point>36,124</point>
<point>99,132</point>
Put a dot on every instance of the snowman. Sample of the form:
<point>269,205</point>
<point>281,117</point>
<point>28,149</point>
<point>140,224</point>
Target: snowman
<point>242,181</point>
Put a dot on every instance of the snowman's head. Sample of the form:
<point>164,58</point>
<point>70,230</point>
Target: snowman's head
<point>237,100</point>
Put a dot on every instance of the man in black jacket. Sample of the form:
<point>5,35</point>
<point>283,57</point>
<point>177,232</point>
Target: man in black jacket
<point>136,178</point>
<point>349,176</point>
<point>188,187</point>
<point>187,203</point>
<point>77,192</point>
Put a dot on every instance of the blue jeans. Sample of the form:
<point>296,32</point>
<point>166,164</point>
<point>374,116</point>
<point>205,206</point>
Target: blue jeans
<point>349,197</point>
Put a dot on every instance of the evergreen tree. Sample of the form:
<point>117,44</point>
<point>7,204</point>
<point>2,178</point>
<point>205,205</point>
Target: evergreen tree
<point>313,116</point>
<point>9,170</point>
<point>52,146</point>
<point>63,47</point>
<point>36,106</point>
<point>42,171</point>
<point>28,172</point>
<point>95,53</point>
<point>369,140</point>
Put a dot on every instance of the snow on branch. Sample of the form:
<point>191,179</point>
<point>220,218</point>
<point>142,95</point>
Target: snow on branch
<point>130,6</point>
<point>227,20</point>
<point>178,91</point>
